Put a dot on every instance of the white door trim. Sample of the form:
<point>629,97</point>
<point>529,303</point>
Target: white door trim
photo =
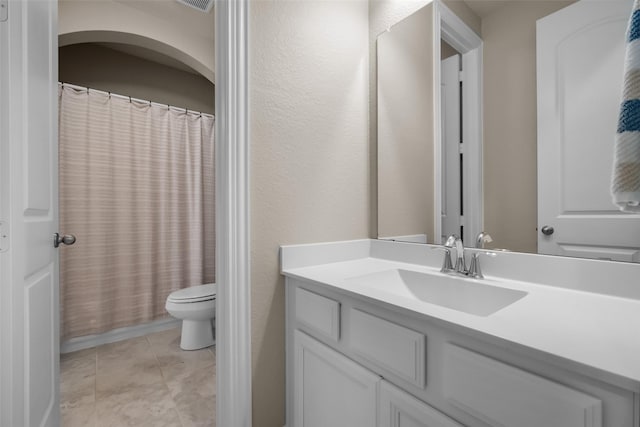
<point>462,38</point>
<point>233,312</point>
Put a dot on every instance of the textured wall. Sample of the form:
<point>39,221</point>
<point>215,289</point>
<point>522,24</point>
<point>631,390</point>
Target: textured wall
<point>98,67</point>
<point>510,121</point>
<point>309,157</point>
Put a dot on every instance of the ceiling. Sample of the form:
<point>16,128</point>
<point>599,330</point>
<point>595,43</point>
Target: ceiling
<point>483,8</point>
<point>194,21</point>
<point>199,25</point>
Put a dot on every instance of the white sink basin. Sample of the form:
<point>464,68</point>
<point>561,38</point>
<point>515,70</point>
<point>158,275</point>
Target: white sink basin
<point>458,293</point>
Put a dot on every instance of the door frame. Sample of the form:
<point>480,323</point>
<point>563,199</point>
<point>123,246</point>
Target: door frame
<point>233,325</point>
<point>233,311</point>
<point>462,38</point>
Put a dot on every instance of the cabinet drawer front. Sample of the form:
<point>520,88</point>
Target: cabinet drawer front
<point>502,395</point>
<point>392,347</point>
<point>319,314</point>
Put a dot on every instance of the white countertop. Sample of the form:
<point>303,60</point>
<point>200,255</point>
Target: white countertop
<point>595,330</point>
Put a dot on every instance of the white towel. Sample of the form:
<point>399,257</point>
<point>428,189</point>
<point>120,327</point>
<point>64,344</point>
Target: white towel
<point>625,185</point>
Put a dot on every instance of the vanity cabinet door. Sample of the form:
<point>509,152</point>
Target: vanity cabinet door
<point>397,408</point>
<point>330,389</point>
<point>504,395</point>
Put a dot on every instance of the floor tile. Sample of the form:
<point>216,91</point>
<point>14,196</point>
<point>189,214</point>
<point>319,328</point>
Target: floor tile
<point>80,416</point>
<point>143,405</point>
<point>199,377</point>
<point>166,346</point>
<point>77,381</point>
<point>126,349</point>
<point>88,352</point>
<point>145,381</point>
<point>115,376</point>
<point>164,337</point>
<point>196,411</point>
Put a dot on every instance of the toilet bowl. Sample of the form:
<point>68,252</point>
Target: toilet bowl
<point>196,307</point>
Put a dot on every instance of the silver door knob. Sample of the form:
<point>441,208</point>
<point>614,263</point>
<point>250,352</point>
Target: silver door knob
<point>547,230</point>
<point>67,239</point>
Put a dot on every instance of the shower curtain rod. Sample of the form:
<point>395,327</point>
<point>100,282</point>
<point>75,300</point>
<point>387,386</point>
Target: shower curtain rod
<point>144,101</point>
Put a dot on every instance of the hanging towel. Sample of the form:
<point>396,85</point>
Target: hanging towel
<point>625,185</point>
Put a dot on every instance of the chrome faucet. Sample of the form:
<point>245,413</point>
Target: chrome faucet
<point>474,266</point>
<point>460,267</point>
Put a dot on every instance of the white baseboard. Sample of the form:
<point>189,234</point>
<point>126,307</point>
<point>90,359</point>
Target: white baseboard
<point>120,334</point>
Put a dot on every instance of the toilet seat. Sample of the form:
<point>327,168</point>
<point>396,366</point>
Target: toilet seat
<point>193,294</point>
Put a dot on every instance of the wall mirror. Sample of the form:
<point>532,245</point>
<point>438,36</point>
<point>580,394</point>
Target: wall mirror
<point>504,121</point>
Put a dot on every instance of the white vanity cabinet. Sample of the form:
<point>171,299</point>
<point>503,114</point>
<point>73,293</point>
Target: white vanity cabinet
<point>397,408</point>
<point>330,389</point>
<point>356,362</point>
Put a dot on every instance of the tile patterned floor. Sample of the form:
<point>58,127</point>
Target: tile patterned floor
<point>145,381</point>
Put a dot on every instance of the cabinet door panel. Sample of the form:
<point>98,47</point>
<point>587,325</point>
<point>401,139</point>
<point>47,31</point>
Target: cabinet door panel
<point>399,409</point>
<point>330,389</point>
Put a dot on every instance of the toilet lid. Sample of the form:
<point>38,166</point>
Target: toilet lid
<point>194,293</point>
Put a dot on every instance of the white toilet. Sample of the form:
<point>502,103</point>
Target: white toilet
<point>196,306</point>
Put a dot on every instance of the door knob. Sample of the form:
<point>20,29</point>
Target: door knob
<point>67,239</point>
<point>547,230</point>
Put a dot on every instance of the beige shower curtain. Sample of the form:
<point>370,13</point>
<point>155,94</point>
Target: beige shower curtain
<point>137,190</point>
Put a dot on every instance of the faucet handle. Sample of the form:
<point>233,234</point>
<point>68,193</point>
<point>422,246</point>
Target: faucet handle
<point>447,266</point>
<point>474,267</point>
<point>451,241</point>
<point>482,238</point>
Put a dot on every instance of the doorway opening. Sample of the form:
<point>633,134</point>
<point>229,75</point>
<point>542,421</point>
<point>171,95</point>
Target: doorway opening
<point>136,371</point>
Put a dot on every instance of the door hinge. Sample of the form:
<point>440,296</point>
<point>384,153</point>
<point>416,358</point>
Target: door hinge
<point>4,10</point>
<point>460,76</point>
<point>4,236</point>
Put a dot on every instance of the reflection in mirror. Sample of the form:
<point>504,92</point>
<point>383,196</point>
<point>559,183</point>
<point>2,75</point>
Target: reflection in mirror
<point>426,188</point>
<point>549,118</point>
<point>405,108</point>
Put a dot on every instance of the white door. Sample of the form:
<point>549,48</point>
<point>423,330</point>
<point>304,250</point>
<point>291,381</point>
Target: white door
<point>580,59</point>
<point>29,317</point>
<point>330,389</point>
<point>451,160</point>
<point>398,408</point>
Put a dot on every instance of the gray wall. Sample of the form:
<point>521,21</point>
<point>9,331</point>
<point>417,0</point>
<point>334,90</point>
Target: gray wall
<point>98,67</point>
